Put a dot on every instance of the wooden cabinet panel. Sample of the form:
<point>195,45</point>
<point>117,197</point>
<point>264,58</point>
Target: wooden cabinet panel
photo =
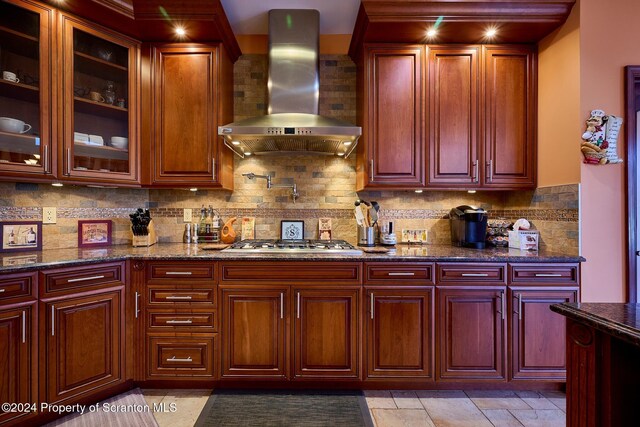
<point>326,333</point>
<point>453,95</point>
<point>466,273</point>
<point>254,334</point>
<point>510,116</point>
<point>83,345</point>
<point>18,367</point>
<point>18,287</point>
<point>471,333</point>
<point>309,273</point>
<point>193,320</point>
<point>399,273</point>
<point>399,333</point>
<point>159,295</point>
<point>545,274</point>
<point>393,132</point>
<point>175,271</point>
<point>181,357</point>
<point>538,335</point>
<point>75,279</point>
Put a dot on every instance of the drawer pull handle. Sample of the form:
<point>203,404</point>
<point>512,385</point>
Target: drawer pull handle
<point>178,273</point>
<point>178,297</point>
<point>84,279</point>
<point>548,275</point>
<point>173,359</point>
<point>475,274</point>
<point>391,273</point>
<point>179,322</point>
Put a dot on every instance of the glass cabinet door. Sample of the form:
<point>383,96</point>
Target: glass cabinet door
<point>25,89</point>
<point>99,96</point>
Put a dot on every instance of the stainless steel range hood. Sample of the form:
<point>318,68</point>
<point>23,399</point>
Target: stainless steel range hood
<point>293,123</point>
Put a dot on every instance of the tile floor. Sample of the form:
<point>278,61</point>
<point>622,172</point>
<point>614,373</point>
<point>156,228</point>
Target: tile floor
<point>441,408</point>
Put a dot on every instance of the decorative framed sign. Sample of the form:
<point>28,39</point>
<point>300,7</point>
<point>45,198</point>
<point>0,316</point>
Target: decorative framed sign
<point>94,233</point>
<point>291,230</point>
<point>19,236</point>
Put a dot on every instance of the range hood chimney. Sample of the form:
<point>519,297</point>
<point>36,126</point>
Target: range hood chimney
<point>292,123</point>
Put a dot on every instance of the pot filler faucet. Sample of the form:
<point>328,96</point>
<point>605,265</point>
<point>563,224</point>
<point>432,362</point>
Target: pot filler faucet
<point>293,187</point>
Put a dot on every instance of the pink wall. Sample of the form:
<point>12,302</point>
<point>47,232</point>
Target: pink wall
<point>609,34</point>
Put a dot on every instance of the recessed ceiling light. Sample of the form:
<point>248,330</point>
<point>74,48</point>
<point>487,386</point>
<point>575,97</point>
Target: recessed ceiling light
<point>471,191</point>
<point>432,32</point>
<point>347,143</point>
<point>57,184</point>
<point>247,153</point>
<point>235,142</point>
<point>180,31</point>
<point>340,154</point>
<point>418,191</point>
<point>491,32</point>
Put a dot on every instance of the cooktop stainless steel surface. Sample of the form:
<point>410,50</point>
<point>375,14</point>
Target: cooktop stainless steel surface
<point>333,247</point>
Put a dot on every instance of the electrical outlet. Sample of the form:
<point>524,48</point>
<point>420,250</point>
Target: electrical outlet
<point>187,215</point>
<point>49,215</point>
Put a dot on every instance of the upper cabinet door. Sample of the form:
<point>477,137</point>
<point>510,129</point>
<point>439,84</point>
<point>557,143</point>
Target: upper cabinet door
<point>98,81</point>
<point>26,34</point>
<point>510,116</point>
<point>189,103</point>
<point>453,116</point>
<point>394,113</point>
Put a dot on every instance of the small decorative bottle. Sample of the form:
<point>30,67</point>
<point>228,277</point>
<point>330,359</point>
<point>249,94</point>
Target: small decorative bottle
<point>109,93</point>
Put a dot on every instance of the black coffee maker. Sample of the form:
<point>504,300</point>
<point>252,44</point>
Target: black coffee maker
<point>468,226</point>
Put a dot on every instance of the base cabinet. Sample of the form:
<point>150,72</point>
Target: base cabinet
<point>399,333</point>
<point>82,347</point>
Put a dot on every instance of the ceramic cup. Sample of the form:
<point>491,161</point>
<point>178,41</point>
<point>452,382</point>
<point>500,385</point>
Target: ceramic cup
<point>8,75</point>
<point>95,96</point>
<point>119,142</point>
<point>7,124</point>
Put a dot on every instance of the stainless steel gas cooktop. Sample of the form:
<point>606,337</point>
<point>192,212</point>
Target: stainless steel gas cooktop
<point>332,247</point>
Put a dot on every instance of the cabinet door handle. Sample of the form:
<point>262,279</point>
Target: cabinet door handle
<point>475,274</point>
<point>213,168</point>
<point>371,170</point>
<point>174,359</point>
<point>282,305</point>
<point>401,273</point>
<point>490,166</point>
<point>53,320</point>
<point>24,326</point>
<point>68,161</point>
<point>298,307</point>
<point>46,158</point>
<point>137,306</point>
<point>179,273</point>
<point>519,306</point>
<point>372,304</point>
<point>178,297</point>
<point>548,275</point>
<point>475,171</point>
<point>84,279</point>
<point>179,322</point>
<point>501,309</point>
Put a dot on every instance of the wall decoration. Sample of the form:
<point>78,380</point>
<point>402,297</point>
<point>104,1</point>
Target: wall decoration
<point>19,236</point>
<point>292,230</point>
<point>324,228</point>
<point>600,140</point>
<point>94,233</point>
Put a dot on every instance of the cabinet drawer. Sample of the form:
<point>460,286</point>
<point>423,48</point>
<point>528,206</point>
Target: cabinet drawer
<point>400,273</point>
<point>162,295</point>
<point>182,320</point>
<point>82,277</point>
<point>177,357</point>
<point>17,286</point>
<point>278,273</point>
<point>457,273</point>
<point>181,271</point>
<point>539,274</point>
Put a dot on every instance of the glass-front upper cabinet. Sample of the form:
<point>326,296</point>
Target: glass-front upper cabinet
<point>26,116</point>
<point>99,104</point>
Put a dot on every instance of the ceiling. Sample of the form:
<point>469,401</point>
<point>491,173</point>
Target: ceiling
<point>250,16</point>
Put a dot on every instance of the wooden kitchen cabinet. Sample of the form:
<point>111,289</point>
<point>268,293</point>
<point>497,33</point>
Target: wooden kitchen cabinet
<point>509,115</point>
<point>326,333</point>
<point>192,94</point>
<point>98,81</point>
<point>538,335</point>
<point>82,345</point>
<point>472,333</point>
<point>453,96</point>
<point>254,335</point>
<point>27,31</point>
<point>391,151</point>
<point>399,335</point>
<point>18,364</point>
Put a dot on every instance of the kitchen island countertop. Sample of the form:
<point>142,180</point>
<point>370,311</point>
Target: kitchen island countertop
<point>52,258</point>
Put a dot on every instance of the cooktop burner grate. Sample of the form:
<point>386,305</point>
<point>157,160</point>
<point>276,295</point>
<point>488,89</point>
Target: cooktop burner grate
<point>254,246</point>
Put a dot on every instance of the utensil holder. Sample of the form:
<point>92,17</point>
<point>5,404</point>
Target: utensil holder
<point>366,236</point>
<point>148,240</point>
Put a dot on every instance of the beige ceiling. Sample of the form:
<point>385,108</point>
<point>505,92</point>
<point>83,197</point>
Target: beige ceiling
<point>250,16</point>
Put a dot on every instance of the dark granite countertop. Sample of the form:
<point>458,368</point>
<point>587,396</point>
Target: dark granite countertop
<point>617,319</point>
<point>180,251</point>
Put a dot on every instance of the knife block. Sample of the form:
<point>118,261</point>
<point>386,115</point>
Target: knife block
<point>148,240</point>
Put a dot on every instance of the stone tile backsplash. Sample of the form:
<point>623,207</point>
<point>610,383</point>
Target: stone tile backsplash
<point>326,186</point>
